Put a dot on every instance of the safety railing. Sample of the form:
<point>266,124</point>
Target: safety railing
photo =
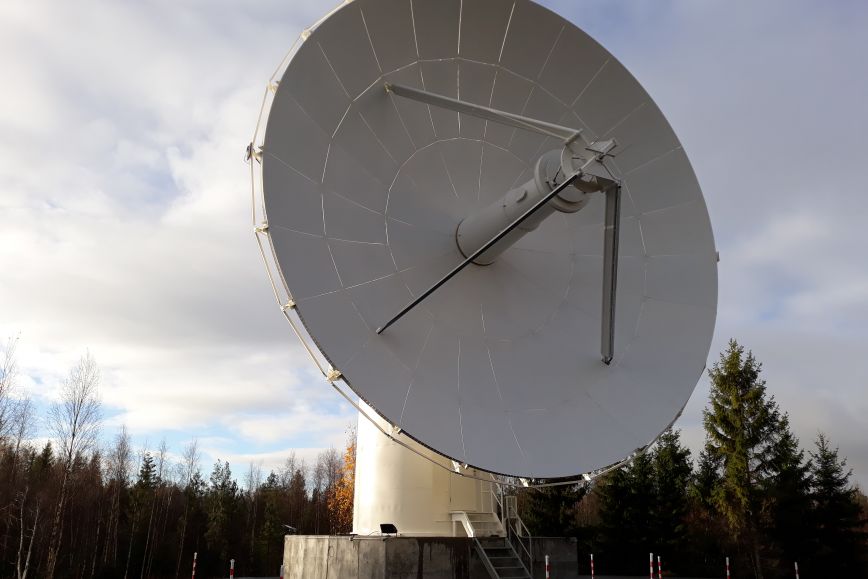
<point>517,533</point>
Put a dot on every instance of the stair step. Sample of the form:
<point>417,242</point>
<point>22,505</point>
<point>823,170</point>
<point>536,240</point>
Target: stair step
<point>499,555</point>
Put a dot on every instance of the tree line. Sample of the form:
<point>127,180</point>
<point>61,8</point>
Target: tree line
<point>76,508</point>
<point>80,509</point>
<point>754,495</point>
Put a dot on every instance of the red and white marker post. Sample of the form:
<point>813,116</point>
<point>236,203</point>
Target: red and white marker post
<point>659,568</point>
<point>797,569</point>
<point>231,568</point>
<point>727,569</point>
<point>194,564</point>
<point>592,566</point>
<point>548,568</point>
<point>281,571</point>
<point>650,565</point>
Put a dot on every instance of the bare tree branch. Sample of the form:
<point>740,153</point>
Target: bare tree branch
<point>74,422</point>
<point>8,375</point>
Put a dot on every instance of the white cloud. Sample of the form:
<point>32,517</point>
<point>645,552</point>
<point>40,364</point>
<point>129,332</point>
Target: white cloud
<point>126,220</point>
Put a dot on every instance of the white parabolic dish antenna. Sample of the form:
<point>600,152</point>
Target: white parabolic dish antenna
<point>403,136</point>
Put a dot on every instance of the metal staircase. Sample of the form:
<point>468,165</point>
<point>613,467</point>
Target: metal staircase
<point>501,559</point>
<point>502,541</point>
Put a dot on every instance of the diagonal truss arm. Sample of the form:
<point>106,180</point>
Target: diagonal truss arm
<point>611,229</point>
<point>565,134</point>
<point>485,247</point>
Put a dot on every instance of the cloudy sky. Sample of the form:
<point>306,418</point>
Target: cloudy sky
<point>125,218</point>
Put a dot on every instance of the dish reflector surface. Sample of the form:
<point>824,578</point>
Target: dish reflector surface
<point>499,368</point>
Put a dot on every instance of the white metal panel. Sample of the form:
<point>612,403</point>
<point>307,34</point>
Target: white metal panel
<point>390,26</point>
<point>441,77</point>
<point>349,51</point>
<point>294,199</point>
<point>573,62</point>
<point>609,98</point>
<point>337,309</point>
<point>348,220</point>
<point>483,24</point>
<point>436,24</point>
<point>532,33</point>
<point>364,190</point>
<point>383,119</point>
<point>664,182</point>
<point>307,156</point>
<point>345,175</point>
<point>415,116</point>
<point>357,138</point>
<point>295,250</point>
<point>321,95</point>
<point>510,93</point>
<point>636,148</point>
<point>475,82</point>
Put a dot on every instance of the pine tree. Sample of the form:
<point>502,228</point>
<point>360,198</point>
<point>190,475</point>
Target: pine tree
<point>707,544</point>
<point>672,473</point>
<point>627,497</point>
<point>42,464</point>
<point>147,473</point>
<point>551,511</point>
<point>140,504</point>
<point>297,500</point>
<point>837,515</point>
<point>741,427</point>
<point>221,500</point>
<point>787,509</point>
<point>644,505</point>
<point>271,532</point>
<point>706,478</point>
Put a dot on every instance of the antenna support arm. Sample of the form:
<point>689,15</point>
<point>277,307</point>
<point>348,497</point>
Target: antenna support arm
<point>611,233</point>
<point>565,134</point>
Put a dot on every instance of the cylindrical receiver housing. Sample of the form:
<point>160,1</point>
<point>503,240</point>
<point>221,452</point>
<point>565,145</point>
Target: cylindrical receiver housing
<point>477,229</point>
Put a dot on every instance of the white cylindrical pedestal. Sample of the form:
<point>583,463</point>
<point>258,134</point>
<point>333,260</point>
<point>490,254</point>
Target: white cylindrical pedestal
<point>395,485</point>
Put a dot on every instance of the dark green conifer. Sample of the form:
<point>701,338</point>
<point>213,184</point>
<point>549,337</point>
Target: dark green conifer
<point>837,515</point>
<point>672,472</point>
<point>741,425</point>
<point>787,510</point>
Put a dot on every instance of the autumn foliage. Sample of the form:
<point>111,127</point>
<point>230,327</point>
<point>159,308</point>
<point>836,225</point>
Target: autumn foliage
<point>341,502</point>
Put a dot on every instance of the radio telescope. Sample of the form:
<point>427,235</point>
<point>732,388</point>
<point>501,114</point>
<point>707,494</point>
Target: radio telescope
<point>487,230</point>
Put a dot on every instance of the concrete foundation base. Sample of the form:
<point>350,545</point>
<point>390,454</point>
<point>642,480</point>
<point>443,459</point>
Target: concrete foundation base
<point>328,557</point>
<point>376,557</point>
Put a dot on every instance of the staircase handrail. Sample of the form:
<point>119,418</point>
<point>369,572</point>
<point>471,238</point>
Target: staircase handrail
<point>489,566</point>
<point>515,534</point>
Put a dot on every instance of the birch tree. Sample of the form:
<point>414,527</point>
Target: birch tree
<point>8,374</point>
<point>22,563</point>
<point>74,423</point>
<point>119,465</point>
<point>188,468</point>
